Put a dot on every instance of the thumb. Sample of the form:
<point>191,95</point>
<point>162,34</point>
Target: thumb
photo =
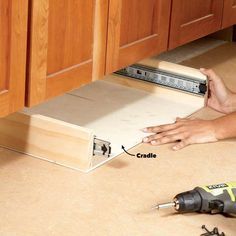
<point>209,73</point>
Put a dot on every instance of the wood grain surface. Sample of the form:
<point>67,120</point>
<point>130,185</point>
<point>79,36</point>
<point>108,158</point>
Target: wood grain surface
<point>48,139</point>
<point>191,20</point>
<point>37,61</point>
<point>229,14</point>
<point>136,29</point>
<point>64,36</point>
<point>13,30</point>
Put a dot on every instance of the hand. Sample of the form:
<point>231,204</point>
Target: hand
<point>185,131</point>
<point>220,97</point>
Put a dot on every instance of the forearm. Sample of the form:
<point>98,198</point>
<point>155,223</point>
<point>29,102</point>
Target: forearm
<point>225,127</point>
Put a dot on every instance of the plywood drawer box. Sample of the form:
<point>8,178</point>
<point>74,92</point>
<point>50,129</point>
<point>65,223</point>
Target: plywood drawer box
<point>69,130</point>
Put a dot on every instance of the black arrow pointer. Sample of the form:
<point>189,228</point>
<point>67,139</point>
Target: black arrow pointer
<point>127,152</point>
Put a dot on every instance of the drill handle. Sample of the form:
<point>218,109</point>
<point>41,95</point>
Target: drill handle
<point>230,207</point>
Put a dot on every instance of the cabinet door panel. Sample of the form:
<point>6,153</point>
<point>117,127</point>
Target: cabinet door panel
<point>13,40</point>
<point>193,19</point>
<point>62,45</point>
<point>70,33</point>
<point>136,29</point>
<point>229,15</point>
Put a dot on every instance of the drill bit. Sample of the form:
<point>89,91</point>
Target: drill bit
<point>164,205</point>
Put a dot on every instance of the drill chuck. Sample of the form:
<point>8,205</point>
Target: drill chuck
<point>188,201</point>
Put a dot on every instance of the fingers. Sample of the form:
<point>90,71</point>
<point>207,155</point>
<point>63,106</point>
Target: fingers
<point>181,145</point>
<point>158,136</point>
<point>178,119</point>
<point>170,133</point>
<point>163,128</point>
<point>160,128</point>
<point>186,131</point>
<point>168,139</point>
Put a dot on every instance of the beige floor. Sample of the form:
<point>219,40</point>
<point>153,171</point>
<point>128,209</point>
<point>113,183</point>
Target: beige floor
<point>190,50</point>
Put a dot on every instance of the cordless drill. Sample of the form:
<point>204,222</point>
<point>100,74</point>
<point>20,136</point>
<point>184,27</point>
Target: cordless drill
<point>219,198</point>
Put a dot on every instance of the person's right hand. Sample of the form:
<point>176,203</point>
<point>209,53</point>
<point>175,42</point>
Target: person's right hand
<point>220,97</point>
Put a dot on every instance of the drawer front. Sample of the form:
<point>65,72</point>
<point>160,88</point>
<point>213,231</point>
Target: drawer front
<point>136,29</point>
<point>229,14</point>
<point>191,20</point>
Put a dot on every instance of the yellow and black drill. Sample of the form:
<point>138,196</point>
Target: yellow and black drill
<point>218,198</point>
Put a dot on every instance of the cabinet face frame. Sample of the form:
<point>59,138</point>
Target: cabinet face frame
<point>184,32</point>
<point>42,86</point>
<point>120,56</point>
<point>13,42</point>
<point>229,14</point>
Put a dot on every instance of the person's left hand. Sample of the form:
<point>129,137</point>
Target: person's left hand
<point>183,131</point>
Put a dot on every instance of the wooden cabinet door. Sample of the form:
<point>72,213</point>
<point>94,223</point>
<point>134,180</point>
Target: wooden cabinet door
<point>136,29</point>
<point>193,19</point>
<point>63,38</point>
<point>13,35</point>
<point>229,14</point>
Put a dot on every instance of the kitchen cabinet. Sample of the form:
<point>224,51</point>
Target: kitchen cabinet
<point>64,37</point>
<point>191,20</point>
<point>13,31</point>
<point>229,14</point>
<point>136,29</point>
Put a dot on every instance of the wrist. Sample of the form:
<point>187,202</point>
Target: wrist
<point>232,102</point>
<point>229,104</point>
<point>225,126</point>
<point>219,128</point>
